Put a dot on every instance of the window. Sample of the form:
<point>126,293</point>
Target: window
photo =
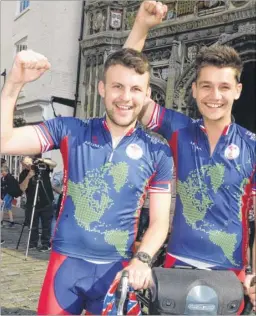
<point>24,4</point>
<point>21,45</point>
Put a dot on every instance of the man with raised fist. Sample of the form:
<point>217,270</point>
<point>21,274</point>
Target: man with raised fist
<point>109,163</point>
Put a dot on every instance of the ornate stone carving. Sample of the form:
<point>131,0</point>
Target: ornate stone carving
<point>98,21</point>
<point>192,51</point>
<point>172,12</point>
<point>115,19</point>
<point>206,4</point>
<point>226,17</point>
<point>129,19</point>
<point>224,38</point>
<point>161,72</point>
<point>185,7</point>
<point>238,3</point>
<point>159,55</point>
<point>157,95</point>
<point>247,28</point>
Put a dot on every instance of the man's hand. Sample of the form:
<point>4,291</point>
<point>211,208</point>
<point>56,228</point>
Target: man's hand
<point>151,13</point>
<point>28,66</point>
<point>250,288</point>
<point>139,274</point>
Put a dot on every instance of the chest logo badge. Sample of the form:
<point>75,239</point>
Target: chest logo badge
<point>134,151</point>
<point>232,152</point>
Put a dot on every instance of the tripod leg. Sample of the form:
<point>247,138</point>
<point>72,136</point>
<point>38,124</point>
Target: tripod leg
<point>32,216</point>
<point>18,243</point>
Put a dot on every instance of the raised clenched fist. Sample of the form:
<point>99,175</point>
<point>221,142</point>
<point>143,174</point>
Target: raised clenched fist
<point>28,66</point>
<point>151,13</point>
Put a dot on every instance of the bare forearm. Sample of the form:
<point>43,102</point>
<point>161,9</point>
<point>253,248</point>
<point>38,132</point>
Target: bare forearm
<point>9,96</point>
<point>137,37</point>
<point>24,184</point>
<point>154,238</point>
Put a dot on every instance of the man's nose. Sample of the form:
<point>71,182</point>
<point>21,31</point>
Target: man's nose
<point>216,93</point>
<point>126,95</point>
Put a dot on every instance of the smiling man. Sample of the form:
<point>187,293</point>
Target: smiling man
<point>215,160</point>
<point>109,163</point>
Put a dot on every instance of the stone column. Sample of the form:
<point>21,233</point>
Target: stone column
<point>174,65</point>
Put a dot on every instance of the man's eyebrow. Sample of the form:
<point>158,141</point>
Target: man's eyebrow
<point>116,82</point>
<point>209,82</point>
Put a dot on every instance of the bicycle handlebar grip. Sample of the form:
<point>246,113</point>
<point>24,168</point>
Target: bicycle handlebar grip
<point>121,293</point>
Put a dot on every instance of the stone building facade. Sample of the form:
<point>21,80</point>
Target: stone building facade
<point>171,48</point>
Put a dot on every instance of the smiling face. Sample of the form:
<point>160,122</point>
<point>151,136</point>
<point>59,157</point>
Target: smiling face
<point>124,91</point>
<point>215,91</point>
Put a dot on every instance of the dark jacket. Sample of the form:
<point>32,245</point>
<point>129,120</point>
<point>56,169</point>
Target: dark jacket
<point>44,188</point>
<point>9,185</point>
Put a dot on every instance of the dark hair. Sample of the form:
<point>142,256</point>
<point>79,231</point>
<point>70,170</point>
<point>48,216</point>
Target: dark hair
<point>219,56</point>
<point>129,58</point>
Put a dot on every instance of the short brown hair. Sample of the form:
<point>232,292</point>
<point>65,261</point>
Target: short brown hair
<point>219,56</point>
<point>129,58</point>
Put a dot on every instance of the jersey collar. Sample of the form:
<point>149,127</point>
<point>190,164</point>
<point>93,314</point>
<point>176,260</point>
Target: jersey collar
<point>129,133</point>
<point>226,131</point>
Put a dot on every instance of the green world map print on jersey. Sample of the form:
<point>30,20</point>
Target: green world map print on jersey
<point>195,198</point>
<point>91,199</point>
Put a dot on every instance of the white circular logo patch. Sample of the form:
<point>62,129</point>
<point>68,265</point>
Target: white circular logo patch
<point>134,151</point>
<point>232,152</point>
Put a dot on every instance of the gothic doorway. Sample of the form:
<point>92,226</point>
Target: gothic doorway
<point>244,109</point>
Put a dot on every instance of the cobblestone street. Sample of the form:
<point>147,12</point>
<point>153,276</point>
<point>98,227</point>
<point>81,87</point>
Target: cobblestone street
<point>21,279</point>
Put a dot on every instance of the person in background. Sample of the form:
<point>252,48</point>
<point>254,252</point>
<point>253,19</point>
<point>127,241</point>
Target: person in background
<point>43,208</point>
<point>9,190</point>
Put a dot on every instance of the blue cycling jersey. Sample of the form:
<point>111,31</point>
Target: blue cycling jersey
<point>214,192</point>
<point>104,188</point>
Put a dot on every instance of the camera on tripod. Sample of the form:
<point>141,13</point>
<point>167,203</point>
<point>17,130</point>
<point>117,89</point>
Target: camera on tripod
<point>38,165</point>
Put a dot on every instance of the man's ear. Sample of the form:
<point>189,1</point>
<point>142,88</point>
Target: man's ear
<point>148,92</point>
<point>238,91</point>
<point>194,89</point>
<point>101,89</point>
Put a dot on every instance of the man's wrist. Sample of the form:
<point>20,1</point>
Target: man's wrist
<point>11,89</point>
<point>141,27</point>
<point>143,257</point>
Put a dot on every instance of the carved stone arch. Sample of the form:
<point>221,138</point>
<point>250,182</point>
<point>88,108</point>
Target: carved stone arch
<point>183,100</point>
<point>245,44</point>
<point>159,83</point>
<point>157,92</point>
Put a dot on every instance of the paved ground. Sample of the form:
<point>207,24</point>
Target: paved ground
<point>21,279</point>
